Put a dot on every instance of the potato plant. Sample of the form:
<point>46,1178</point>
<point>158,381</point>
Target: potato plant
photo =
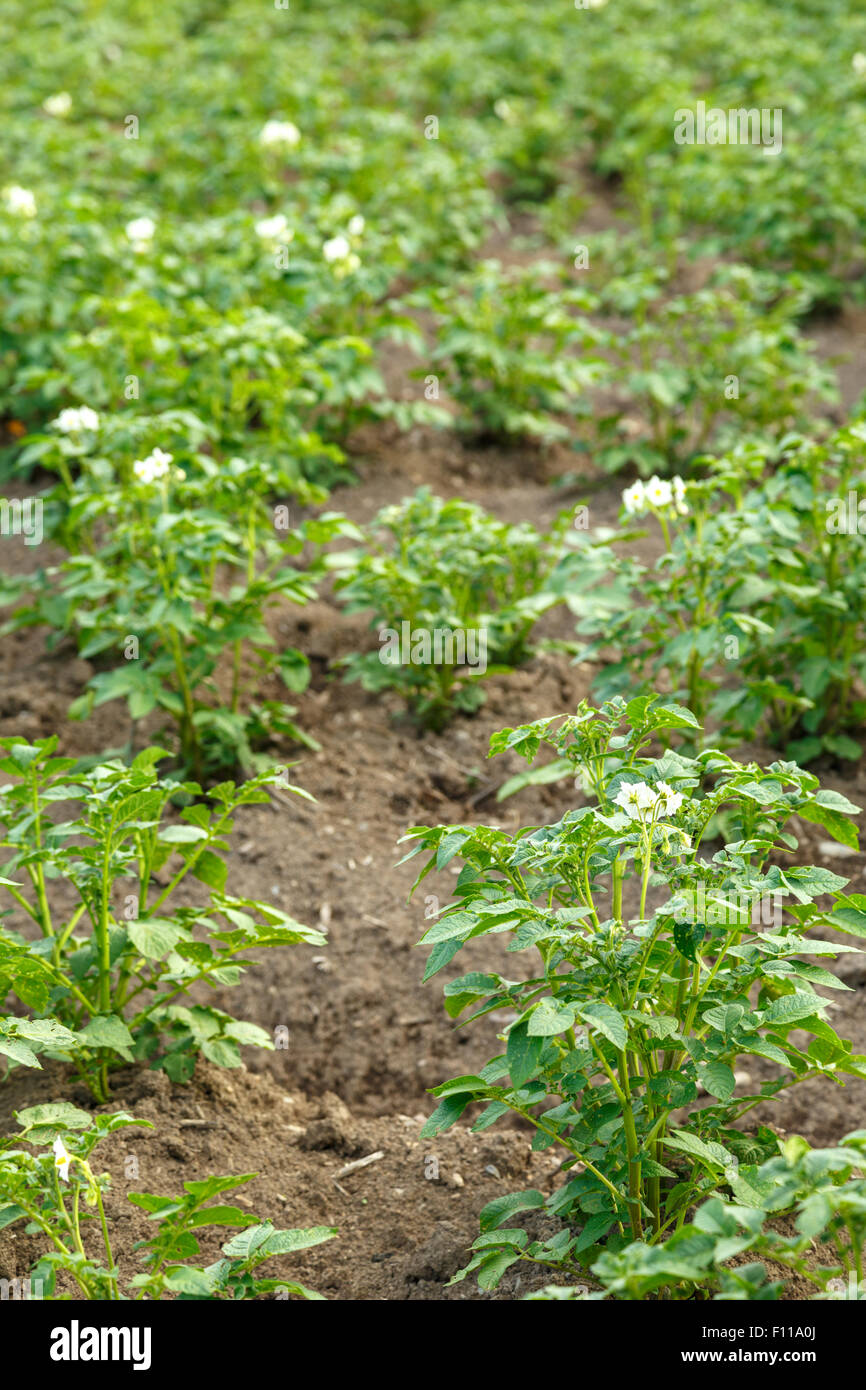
<point>110,956</point>
<point>754,610</point>
<point>171,603</point>
<point>56,1190</point>
<point>431,567</point>
<point>653,968</point>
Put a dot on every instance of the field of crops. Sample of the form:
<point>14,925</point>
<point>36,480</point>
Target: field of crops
<point>433,664</point>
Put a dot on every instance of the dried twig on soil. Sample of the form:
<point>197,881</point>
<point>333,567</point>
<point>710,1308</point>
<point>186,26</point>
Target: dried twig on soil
<point>358,1163</point>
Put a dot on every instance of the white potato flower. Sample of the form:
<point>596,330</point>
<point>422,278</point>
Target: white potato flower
<point>60,104</point>
<point>279,133</point>
<point>356,225</point>
<point>275,228</point>
<point>155,466</point>
<point>339,254</point>
<point>679,490</point>
<point>62,1159</point>
<point>858,63</point>
<point>19,201</point>
<point>634,499</point>
<point>73,420</point>
<point>635,798</point>
<point>659,492</point>
<point>673,800</point>
<point>140,232</point>
<point>337,249</point>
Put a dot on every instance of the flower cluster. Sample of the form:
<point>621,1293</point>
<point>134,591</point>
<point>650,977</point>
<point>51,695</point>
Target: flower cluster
<point>73,420</point>
<point>637,798</point>
<point>657,494</point>
<point>275,230</point>
<point>19,201</point>
<point>60,104</point>
<point>155,466</point>
<point>280,133</point>
<point>338,252</point>
<point>140,233</point>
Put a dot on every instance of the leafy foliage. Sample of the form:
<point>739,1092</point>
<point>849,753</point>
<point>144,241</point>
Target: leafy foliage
<point>446,567</point>
<point>48,1188</point>
<point>653,968</point>
<point>105,976</point>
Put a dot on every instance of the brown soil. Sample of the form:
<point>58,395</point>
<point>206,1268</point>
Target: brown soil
<point>405,1220</point>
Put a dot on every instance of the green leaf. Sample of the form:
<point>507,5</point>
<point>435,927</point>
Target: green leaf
<point>453,925</point>
<point>460,1084</point>
<point>287,1242</point>
<point>18,1051</point>
<point>551,1017</point>
<point>608,1022</point>
<point>53,1119</point>
<point>10,1214</point>
<point>223,1052</point>
<point>793,1007</point>
<point>198,1283</point>
<point>23,754</point>
<point>832,820</point>
<point>724,1017</point>
<point>843,746</point>
<point>220,1216</point>
<point>759,1047</point>
<point>501,1208</point>
<point>205,1188</point>
<point>491,1270</point>
<point>450,845</point>
<point>182,834</point>
<point>850,920</point>
<point>553,771</point>
<point>670,716</point>
<point>154,937</point>
<point>673,1088</point>
<point>109,1031</point>
<point>713,1154</point>
<point>688,937</point>
<point>522,1052</point>
<point>447,1113</point>
<point>440,956</point>
<point>247,1242</point>
<point>210,869</point>
<point>718,1079</point>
